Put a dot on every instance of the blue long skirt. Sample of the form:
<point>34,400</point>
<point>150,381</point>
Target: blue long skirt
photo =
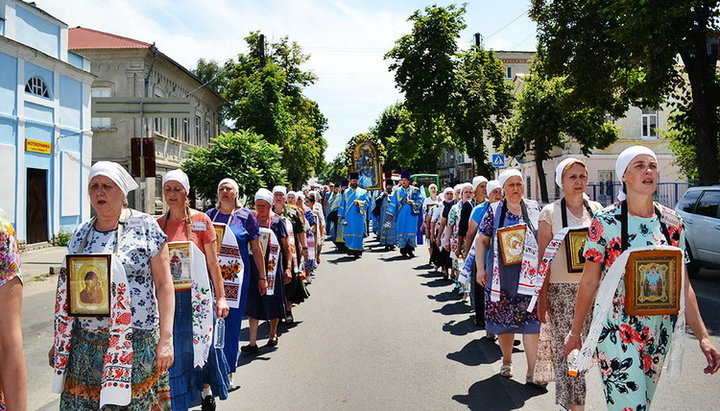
<point>186,381</point>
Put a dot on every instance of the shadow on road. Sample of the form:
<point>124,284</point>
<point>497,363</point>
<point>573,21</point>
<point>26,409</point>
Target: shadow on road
<point>463,327</point>
<point>342,259</point>
<point>397,257</point>
<point>477,352</point>
<point>446,296</point>
<point>454,309</point>
<point>498,393</point>
<point>439,282</point>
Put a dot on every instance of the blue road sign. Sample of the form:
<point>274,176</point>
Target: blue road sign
<point>498,160</point>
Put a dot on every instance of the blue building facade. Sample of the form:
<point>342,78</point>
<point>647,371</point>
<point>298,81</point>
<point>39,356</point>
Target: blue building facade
<point>45,132</point>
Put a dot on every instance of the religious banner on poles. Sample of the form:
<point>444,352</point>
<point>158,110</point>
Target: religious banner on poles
<point>366,160</point>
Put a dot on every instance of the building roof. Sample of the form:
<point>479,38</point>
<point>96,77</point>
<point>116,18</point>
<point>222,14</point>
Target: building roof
<point>81,38</point>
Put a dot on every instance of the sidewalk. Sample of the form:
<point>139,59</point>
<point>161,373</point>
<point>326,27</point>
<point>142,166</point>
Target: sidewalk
<point>38,263</point>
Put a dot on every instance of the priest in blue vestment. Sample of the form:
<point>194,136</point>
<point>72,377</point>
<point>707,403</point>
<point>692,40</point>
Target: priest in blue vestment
<point>352,215</point>
<point>386,232</point>
<point>404,210</point>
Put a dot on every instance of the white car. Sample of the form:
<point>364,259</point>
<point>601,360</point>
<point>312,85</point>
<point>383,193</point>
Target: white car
<point>700,210</point>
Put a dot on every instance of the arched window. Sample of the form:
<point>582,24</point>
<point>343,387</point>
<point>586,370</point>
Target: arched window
<point>36,85</point>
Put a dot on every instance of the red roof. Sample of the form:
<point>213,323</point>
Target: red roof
<point>81,38</point>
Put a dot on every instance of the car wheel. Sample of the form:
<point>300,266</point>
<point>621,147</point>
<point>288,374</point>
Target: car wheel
<point>693,267</point>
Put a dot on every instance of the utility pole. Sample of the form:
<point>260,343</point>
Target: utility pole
<point>261,49</point>
<point>478,39</point>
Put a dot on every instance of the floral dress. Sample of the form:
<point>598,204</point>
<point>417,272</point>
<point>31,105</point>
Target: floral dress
<point>453,222</point>
<point>631,349</point>
<point>509,315</point>
<point>9,264</point>
<point>142,239</point>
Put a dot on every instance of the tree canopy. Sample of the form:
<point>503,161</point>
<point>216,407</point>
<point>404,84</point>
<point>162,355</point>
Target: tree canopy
<point>243,156</point>
<point>545,118</point>
<point>453,98</point>
<point>263,90</point>
<point>616,53</point>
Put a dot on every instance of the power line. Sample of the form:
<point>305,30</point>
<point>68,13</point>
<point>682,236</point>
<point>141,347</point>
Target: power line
<point>506,26</point>
<point>522,41</point>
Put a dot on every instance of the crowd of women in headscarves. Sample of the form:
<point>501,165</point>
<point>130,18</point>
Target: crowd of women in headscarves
<point>508,257</point>
<point>179,288</point>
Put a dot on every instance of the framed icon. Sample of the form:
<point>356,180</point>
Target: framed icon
<point>653,282</point>
<point>512,242</point>
<point>366,162</point>
<point>180,263</point>
<point>574,246</point>
<point>220,232</point>
<point>88,284</point>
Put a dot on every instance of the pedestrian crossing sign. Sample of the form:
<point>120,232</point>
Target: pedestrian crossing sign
<point>498,160</point>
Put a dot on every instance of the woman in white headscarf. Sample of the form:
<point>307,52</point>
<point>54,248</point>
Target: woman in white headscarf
<point>181,223</point>
<point>557,297</point>
<point>507,295</point>
<point>245,227</point>
<point>142,249</point>
<point>631,350</point>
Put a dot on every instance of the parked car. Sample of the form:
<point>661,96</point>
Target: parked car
<point>700,210</point>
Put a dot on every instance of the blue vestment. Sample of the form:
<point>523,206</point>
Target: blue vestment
<point>386,235</point>
<point>354,204</point>
<point>405,206</point>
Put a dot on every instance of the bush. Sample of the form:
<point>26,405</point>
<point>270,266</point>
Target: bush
<point>63,238</point>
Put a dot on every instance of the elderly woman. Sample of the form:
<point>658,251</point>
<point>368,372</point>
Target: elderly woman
<point>311,232</point>
<point>245,227</point>
<point>314,201</point>
<point>181,223</point>
<point>136,240</point>
<point>456,244</point>
<point>438,221</point>
<point>557,296</point>
<point>506,300</point>
<point>13,375</point>
<point>262,306</point>
<point>631,350</point>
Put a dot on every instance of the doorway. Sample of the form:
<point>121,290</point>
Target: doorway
<point>37,206</point>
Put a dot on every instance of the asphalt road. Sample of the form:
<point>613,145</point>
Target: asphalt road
<point>386,333</point>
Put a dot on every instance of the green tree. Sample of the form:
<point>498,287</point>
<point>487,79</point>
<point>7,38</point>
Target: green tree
<point>545,118</point>
<point>424,64</point>
<point>481,104</point>
<point>263,90</point>
<point>616,53</point>
<point>243,156</point>
<point>333,171</point>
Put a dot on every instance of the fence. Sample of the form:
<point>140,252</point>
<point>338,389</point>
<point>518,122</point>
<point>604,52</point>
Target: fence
<point>666,194</point>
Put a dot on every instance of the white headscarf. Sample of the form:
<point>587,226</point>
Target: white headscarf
<point>179,176</point>
<point>477,181</point>
<point>510,172</point>
<point>114,172</point>
<point>264,194</point>
<point>300,196</point>
<point>447,190</point>
<point>562,166</point>
<point>292,193</point>
<point>492,185</point>
<point>232,182</point>
<point>624,160</point>
<point>279,189</point>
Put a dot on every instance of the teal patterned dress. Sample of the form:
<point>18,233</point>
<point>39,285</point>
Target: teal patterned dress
<point>631,349</point>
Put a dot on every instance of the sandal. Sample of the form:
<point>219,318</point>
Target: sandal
<point>506,371</point>
<point>530,379</point>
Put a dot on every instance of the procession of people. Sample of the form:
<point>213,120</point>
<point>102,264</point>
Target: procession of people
<point>167,333</point>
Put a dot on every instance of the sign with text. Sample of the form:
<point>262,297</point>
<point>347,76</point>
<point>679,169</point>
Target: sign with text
<point>37,146</point>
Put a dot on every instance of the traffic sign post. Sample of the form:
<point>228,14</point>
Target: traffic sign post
<point>498,160</point>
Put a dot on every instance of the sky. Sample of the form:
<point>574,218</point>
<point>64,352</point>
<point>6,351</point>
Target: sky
<point>346,40</point>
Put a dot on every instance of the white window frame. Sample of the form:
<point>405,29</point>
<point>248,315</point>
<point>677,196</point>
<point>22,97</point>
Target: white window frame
<point>646,116</point>
<point>101,123</point>
<point>508,72</point>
